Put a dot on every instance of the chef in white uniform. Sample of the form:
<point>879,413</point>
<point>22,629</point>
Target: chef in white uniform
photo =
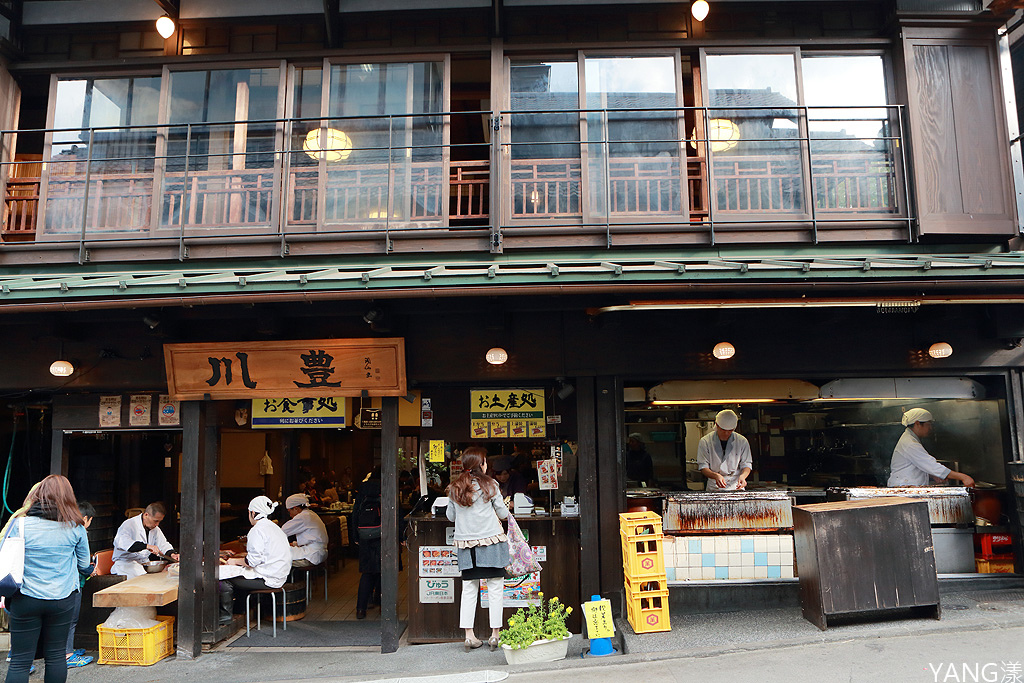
<point>137,538</point>
<point>310,546</point>
<point>911,464</point>
<point>723,456</point>
<point>267,562</point>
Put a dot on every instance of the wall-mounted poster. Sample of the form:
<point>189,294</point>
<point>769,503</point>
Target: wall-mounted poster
<point>518,592</point>
<point>139,411</point>
<point>438,560</point>
<point>168,411</point>
<point>506,414</point>
<point>110,411</point>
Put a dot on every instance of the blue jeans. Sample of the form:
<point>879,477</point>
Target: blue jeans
<point>31,619</point>
<point>74,621</point>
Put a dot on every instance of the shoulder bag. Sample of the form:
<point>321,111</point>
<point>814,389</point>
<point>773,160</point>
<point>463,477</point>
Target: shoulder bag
<point>12,560</point>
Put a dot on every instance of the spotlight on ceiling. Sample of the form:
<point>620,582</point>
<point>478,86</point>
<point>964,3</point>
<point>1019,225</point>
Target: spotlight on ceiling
<point>374,315</point>
<point>564,389</point>
<point>151,321</point>
<point>165,27</point>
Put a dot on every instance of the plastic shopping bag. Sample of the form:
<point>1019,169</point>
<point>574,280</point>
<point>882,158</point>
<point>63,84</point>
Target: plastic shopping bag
<point>12,560</point>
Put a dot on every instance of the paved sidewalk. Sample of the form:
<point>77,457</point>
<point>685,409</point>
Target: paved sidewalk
<point>766,645</point>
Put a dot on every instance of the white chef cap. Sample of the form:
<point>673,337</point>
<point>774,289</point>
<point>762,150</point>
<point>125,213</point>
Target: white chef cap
<point>916,415</point>
<point>262,506</point>
<point>727,419</point>
<point>636,435</point>
<point>296,500</point>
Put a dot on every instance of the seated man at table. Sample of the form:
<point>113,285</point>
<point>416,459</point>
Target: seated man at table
<point>310,546</point>
<point>267,562</point>
<point>139,537</point>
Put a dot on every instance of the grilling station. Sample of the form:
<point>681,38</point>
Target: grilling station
<point>825,455</point>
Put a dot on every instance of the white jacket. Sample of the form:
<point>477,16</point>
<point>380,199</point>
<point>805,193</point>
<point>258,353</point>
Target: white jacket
<point>268,553</point>
<point>132,531</point>
<point>311,535</point>
<point>729,464</point>
<point>912,465</point>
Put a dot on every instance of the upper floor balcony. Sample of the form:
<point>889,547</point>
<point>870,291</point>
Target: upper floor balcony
<point>552,178</point>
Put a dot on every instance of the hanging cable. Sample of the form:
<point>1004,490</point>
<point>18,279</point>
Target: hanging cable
<point>10,458</point>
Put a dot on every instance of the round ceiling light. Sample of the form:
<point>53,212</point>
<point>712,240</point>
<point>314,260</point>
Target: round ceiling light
<point>496,356</point>
<point>165,27</point>
<point>940,350</point>
<point>700,9</point>
<point>724,350</point>
<point>61,368</point>
<point>335,145</point>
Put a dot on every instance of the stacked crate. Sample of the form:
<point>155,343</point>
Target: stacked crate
<point>643,563</point>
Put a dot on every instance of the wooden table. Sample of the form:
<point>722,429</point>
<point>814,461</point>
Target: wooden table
<point>147,590</point>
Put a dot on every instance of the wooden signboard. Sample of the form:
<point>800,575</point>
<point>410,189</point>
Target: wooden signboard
<point>318,367</point>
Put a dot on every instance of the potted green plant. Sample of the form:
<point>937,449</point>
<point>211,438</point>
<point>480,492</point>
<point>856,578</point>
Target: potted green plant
<point>537,633</point>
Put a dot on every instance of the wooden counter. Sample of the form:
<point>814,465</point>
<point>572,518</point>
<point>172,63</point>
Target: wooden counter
<point>146,590</point>
<point>559,576</point>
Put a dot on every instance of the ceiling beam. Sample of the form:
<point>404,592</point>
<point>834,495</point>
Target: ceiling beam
<point>171,7</point>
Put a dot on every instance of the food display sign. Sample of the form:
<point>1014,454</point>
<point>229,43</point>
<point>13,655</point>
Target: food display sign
<point>518,592</point>
<point>547,474</point>
<point>317,367</point>
<point>507,414</point>
<point>307,411</point>
<point>438,560</point>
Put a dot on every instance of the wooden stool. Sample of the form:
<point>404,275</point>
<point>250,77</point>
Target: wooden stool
<point>306,571</point>
<point>273,601</point>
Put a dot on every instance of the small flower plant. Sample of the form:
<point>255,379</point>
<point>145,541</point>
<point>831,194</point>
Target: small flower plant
<point>543,621</point>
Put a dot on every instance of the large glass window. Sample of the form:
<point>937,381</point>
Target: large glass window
<point>632,136</point>
<point>544,139</point>
<point>760,135</point>
<point>852,149</point>
<point>384,150</point>
<point>753,128</point>
<point>118,163</point>
<point>220,169</point>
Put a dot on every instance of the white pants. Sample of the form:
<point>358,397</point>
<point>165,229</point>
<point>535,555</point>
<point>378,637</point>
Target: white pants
<point>129,568</point>
<point>495,589</point>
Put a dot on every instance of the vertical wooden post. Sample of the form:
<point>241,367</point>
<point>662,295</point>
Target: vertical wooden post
<point>210,486</point>
<point>611,491</point>
<point>389,525</point>
<point>590,553</point>
<point>190,579</point>
<point>58,452</point>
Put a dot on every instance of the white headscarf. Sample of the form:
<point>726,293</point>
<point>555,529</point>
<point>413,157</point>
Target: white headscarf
<point>916,415</point>
<point>262,506</point>
<point>296,500</point>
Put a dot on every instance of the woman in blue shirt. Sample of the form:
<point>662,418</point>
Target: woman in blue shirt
<point>56,550</point>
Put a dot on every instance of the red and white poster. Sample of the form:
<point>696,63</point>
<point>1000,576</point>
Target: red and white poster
<point>547,474</point>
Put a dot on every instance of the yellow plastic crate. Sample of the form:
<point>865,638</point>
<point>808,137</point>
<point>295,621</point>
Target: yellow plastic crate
<point>137,646</point>
<point>642,559</point>
<point>646,587</point>
<point>648,611</point>
<point>640,524</point>
<point>1001,566</point>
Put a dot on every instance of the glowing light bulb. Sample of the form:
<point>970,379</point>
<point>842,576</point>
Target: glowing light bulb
<point>723,350</point>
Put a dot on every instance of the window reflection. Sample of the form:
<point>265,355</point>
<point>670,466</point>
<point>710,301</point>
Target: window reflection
<point>121,170</point>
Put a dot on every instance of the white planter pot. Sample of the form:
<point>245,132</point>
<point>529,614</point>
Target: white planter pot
<point>539,651</point>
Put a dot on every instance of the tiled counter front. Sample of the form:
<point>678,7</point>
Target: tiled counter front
<point>733,556</point>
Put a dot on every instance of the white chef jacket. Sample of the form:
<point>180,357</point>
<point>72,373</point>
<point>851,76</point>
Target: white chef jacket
<point>132,530</point>
<point>311,535</point>
<point>912,465</point>
<point>269,554</point>
<point>729,464</point>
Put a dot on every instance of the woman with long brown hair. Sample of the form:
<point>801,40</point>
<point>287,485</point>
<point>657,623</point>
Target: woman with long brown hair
<point>56,551</point>
<point>476,506</point>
